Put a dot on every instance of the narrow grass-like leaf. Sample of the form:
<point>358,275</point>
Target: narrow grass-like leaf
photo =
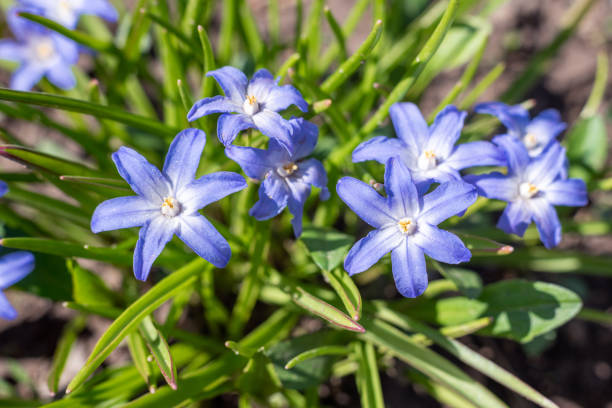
<point>74,105</point>
<point>484,246</point>
<point>368,379</point>
<point>159,349</point>
<point>324,310</point>
<point>599,87</point>
<point>596,316</point>
<point>99,310</point>
<point>88,288</point>
<point>482,86</point>
<point>337,30</point>
<point>46,162</point>
<point>134,314</point>
<point>138,352</point>
<point>176,33</point>
<point>316,352</point>
<point>64,345</point>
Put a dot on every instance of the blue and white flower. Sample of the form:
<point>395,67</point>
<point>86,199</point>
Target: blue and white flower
<point>532,188</point>
<point>287,176</point>
<point>13,268</point>
<point>536,134</point>
<point>406,225</point>
<point>67,12</point>
<point>255,104</point>
<point>429,152</point>
<point>167,202</point>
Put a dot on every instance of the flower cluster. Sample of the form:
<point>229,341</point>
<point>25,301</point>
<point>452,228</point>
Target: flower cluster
<point>41,52</point>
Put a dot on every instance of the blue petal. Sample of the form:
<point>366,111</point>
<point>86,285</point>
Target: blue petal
<point>216,104</point>
<point>276,188</point>
<point>61,76</point>
<point>254,162</point>
<point>409,270</point>
<point>11,51</point>
<point>547,166</point>
<point>3,188</point>
<point>7,311</point>
<point>409,124</point>
<point>448,199</point>
<point>445,131</point>
<point>368,250</point>
<point>274,126</point>
<point>68,49</point>
<point>312,172</point>
<point>100,8</point>
<point>266,208</point>
<point>547,221</point>
<point>475,154</point>
<point>26,76</point>
<point>123,212</point>
<point>440,245</point>
<point>14,267</point>
<point>23,28</point>
<point>545,128</point>
<point>306,135</point>
<point>515,219</point>
<point>365,202</point>
<point>494,185</point>
<point>208,189</point>
<point>571,193</point>
<point>201,236</point>
<point>401,191</point>
<point>144,178</point>
<point>152,239</point>
<point>299,192</point>
<point>379,148</point>
<point>515,118</point>
<point>260,85</point>
<point>183,157</point>
<point>515,152</point>
<point>281,97</point>
<point>230,125</point>
<point>232,81</point>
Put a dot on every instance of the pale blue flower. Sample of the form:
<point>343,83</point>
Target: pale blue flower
<point>255,104</point>
<point>67,12</point>
<point>167,202</point>
<point>287,176</point>
<point>406,225</point>
<point>13,268</point>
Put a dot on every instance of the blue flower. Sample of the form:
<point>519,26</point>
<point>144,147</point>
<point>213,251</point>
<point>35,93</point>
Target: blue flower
<point>13,268</point>
<point>532,187</point>
<point>168,202</point>
<point>287,175</point>
<point>536,134</point>
<point>255,102</point>
<point>39,52</point>
<point>67,12</point>
<point>3,188</point>
<point>429,152</point>
<point>405,223</point>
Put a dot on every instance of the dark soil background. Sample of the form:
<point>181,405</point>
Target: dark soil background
<point>574,367</point>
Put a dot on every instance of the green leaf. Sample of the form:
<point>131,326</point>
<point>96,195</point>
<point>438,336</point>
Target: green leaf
<point>468,282</point>
<point>587,143</point>
<point>367,377</point>
<point>309,372</point>
<point>316,352</point>
<point>327,247</point>
<point>159,349</point>
<point>134,314</point>
<point>484,246</point>
<point>62,350</point>
<point>138,352</point>
<point>521,310</point>
<point>324,310</point>
<point>46,162</point>
<point>145,124</point>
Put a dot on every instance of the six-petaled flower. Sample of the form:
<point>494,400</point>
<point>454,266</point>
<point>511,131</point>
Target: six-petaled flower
<point>67,12</point>
<point>39,52</point>
<point>13,268</point>
<point>532,187</point>
<point>250,104</point>
<point>536,134</point>
<point>287,176</point>
<point>167,202</point>
<point>429,152</point>
<point>406,225</point>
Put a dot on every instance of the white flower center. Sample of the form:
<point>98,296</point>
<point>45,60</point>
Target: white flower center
<point>288,169</point>
<point>407,226</point>
<point>427,160</point>
<point>170,207</point>
<point>528,190</point>
<point>531,141</point>
<point>44,49</point>
<point>250,105</point>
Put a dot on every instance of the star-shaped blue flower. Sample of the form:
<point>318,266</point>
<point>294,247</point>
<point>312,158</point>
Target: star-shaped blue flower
<point>287,176</point>
<point>39,52</point>
<point>429,152</point>
<point>536,134</point>
<point>406,225</point>
<point>168,202</point>
<point>67,12</point>
<point>532,187</point>
<point>13,268</point>
<point>255,104</point>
